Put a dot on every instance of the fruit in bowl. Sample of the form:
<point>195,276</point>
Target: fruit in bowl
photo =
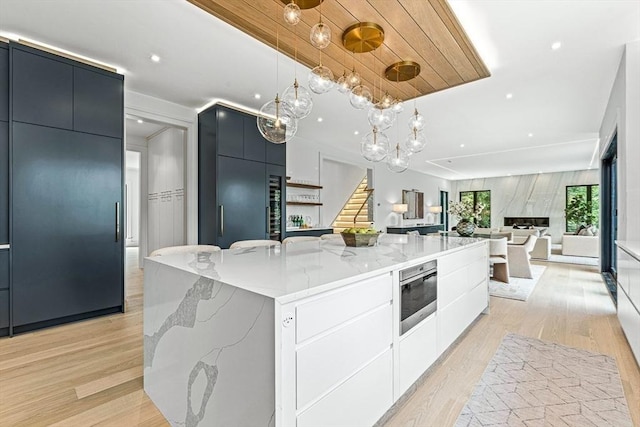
<point>360,236</point>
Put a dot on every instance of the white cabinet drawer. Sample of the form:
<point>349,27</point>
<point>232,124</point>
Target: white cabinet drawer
<point>451,287</point>
<point>455,318</point>
<point>359,401</point>
<point>630,321</point>
<point>418,349</point>
<point>478,271</point>
<point>452,262</point>
<point>325,362</point>
<point>326,312</point>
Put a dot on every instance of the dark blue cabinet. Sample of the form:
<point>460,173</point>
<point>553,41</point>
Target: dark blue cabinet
<point>4,183</point>
<point>97,103</point>
<point>4,82</point>
<point>240,195</point>
<point>66,259</point>
<point>66,191</point>
<point>4,291</point>
<point>42,90</point>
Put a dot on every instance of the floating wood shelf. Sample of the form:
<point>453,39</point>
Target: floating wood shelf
<point>297,185</point>
<point>304,203</point>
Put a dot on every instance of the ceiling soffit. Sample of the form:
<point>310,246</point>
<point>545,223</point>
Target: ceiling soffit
<point>424,31</point>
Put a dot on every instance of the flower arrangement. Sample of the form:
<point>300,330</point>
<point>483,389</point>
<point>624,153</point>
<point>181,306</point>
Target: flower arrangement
<point>465,211</point>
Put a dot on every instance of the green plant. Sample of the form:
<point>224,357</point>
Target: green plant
<point>579,211</point>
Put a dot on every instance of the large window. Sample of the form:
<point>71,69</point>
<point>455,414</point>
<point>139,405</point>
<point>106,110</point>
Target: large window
<point>483,197</point>
<point>583,206</point>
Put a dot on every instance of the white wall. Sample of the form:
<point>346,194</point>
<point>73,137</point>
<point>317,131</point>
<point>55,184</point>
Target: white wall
<point>528,195</point>
<point>132,201</point>
<point>622,113</point>
<point>304,160</point>
<point>166,208</point>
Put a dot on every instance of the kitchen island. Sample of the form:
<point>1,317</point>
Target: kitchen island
<point>307,334</point>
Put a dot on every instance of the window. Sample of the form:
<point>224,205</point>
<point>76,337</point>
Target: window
<point>483,197</point>
<point>582,206</point>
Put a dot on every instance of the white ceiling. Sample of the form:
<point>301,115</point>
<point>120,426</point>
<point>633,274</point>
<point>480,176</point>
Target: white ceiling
<point>142,130</point>
<point>559,96</point>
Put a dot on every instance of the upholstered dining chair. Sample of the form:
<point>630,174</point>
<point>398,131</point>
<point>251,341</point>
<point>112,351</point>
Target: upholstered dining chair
<point>170,250</point>
<point>253,243</point>
<point>498,259</point>
<point>295,239</point>
<point>519,256</point>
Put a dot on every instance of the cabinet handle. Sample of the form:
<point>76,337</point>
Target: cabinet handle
<point>221,220</point>
<point>117,221</point>
<point>268,220</point>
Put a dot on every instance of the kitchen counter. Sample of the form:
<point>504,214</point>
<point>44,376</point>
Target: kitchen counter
<point>302,335</point>
<point>291,272</point>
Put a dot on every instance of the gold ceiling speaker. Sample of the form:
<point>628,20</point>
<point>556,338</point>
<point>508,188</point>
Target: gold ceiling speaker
<point>304,4</point>
<point>402,71</point>
<point>363,37</point>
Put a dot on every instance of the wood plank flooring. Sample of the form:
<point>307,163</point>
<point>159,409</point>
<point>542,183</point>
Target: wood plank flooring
<point>90,373</point>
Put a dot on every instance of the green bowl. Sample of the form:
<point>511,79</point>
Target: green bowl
<point>358,240</point>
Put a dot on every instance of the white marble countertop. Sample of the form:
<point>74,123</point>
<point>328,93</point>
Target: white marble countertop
<point>630,246</point>
<point>302,269</point>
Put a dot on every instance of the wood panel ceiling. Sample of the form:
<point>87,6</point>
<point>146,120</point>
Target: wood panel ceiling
<point>424,31</point>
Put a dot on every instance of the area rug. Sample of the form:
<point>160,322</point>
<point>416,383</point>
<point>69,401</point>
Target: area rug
<point>568,259</point>
<point>536,383</point>
<point>517,288</point>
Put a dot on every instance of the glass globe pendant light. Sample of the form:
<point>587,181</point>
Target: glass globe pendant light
<point>277,122</point>
<point>292,13</point>
<point>381,118</point>
<point>375,146</point>
<point>416,141</point>
<point>397,160</point>
<point>353,78</point>
<point>320,35</point>
<point>416,121</point>
<point>360,97</point>
<point>299,99</point>
<point>398,106</point>
<point>342,84</point>
<point>321,79</point>
<point>386,101</point>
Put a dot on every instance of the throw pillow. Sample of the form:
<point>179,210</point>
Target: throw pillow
<point>595,231</point>
<point>577,233</point>
<point>588,231</point>
<point>582,232</point>
<point>543,231</point>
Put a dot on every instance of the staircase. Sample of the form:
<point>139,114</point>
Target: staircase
<point>345,217</point>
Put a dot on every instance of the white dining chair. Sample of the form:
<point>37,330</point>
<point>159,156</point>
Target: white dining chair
<point>170,250</point>
<point>295,239</point>
<point>253,243</point>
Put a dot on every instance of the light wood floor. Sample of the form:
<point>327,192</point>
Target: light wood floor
<point>90,373</point>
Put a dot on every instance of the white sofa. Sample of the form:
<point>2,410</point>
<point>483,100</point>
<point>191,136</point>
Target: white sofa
<point>587,246</point>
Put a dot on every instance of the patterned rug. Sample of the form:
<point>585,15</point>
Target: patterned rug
<point>517,288</point>
<point>536,383</point>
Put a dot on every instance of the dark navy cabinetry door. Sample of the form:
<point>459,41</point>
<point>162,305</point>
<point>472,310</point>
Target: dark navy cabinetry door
<point>230,133</point>
<point>97,103</point>
<point>254,144</point>
<point>4,82</point>
<point>276,153</point>
<point>4,182</point>
<point>42,90</point>
<point>242,205</point>
<point>65,257</point>
<point>207,196</point>
<point>4,291</point>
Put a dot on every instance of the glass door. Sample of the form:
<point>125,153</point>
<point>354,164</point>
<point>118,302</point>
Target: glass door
<point>444,202</point>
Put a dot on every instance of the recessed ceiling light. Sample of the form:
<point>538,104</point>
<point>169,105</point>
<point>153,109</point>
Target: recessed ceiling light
<point>509,95</point>
<point>356,133</point>
<point>508,174</point>
<point>320,119</point>
<point>257,96</point>
<point>461,145</point>
<point>155,58</point>
<point>556,45</point>
<point>589,167</point>
<point>539,171</point>
<point>140,121</point>
<point>530,135</point>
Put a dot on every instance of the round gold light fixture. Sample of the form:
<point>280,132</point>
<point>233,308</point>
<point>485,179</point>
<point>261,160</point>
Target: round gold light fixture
<point>402,71</point>
<point>304,4</point>
<point>363,37</point>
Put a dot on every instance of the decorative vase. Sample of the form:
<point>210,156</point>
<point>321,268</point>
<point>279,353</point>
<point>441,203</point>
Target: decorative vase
<point>465,228</point>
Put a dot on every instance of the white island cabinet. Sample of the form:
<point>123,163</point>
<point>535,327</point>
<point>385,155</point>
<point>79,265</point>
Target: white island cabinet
<point>303,335</point>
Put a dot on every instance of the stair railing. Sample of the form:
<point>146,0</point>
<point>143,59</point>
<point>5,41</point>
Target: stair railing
<point>369,193</point>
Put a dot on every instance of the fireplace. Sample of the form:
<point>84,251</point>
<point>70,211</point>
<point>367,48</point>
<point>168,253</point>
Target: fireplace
<point>536,221</point>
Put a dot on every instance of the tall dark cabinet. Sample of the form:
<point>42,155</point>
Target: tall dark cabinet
<point>65,123</point>
<point>4,189</point>
<point>241,183</point>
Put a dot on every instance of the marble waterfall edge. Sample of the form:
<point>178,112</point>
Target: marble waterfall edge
<point>199,370</point>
